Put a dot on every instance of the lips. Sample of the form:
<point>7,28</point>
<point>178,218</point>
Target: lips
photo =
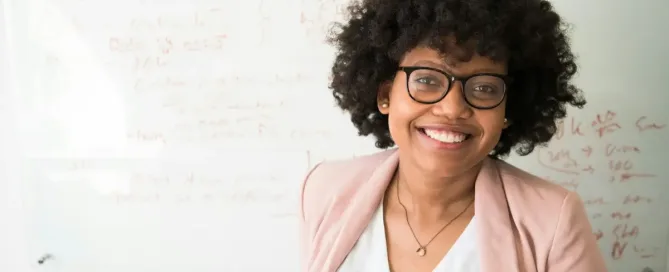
<point>447,134</point>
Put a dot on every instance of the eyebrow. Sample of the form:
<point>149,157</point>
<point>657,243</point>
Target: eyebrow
<point>433,64</point>
<point>447,68</point>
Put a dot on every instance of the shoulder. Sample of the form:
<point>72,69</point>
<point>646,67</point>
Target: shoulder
<point>553,218</point>
<point>525,189</point>
<point>333,179</point>
<point>534,197</point>
<point>327,192</point>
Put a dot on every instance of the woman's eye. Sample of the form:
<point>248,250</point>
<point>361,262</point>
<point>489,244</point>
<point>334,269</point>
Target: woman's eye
<point>428,81</point>
<point>484,89</point>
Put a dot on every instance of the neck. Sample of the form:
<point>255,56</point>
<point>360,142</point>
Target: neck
<point>431,198</point>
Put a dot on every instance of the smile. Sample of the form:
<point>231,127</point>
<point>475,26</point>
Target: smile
<point>444,139</point>
<point>446,136</point>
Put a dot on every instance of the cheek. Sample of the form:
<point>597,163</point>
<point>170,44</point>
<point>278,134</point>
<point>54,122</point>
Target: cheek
<point>492,132</point>
<point>398,121</point>
<point>401,114</point>
<point>492,123</point>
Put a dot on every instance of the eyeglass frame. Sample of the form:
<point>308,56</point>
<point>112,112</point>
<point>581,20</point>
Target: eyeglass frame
<point>452,79</point>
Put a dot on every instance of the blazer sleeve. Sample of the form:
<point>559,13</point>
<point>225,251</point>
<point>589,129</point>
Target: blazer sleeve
<point>574,247</point>
<point>305,232</point>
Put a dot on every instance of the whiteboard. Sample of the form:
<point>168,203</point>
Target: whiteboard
<point>12,230</point>
<point>173,135</point>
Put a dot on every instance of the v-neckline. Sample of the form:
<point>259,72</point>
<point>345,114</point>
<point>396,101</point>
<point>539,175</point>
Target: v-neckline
<point>380,233</point>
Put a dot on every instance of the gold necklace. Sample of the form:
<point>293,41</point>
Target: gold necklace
<point>422,249</point>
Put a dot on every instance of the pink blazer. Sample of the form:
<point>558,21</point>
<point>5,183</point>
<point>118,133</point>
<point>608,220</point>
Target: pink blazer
<point>523,222</point>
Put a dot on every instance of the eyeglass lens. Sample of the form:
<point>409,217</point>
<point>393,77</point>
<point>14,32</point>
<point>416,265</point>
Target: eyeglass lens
<point>429,86</point>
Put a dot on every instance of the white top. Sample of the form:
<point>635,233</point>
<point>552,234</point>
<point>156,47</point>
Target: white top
<point>371,255</point>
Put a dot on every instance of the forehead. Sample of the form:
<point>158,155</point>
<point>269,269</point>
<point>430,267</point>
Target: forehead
<point>456,61</point>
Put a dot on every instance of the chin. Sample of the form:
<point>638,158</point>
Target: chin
<point>443,167</point>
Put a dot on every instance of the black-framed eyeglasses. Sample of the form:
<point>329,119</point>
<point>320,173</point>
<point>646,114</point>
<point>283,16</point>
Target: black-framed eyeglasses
<point>429,85</point>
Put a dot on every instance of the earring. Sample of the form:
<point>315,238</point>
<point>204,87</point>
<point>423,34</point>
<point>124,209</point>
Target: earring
<point>384,105</point>
<point>505,121</point>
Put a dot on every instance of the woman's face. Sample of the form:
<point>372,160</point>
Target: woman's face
<point>449,137</point>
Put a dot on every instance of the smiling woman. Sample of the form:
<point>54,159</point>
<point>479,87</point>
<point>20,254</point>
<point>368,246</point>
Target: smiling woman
<point>455,85</point>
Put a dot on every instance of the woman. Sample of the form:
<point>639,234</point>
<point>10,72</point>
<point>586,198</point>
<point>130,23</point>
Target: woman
<point>455,85</point>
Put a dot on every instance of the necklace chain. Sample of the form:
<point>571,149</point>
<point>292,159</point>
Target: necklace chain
<point>422,249</point>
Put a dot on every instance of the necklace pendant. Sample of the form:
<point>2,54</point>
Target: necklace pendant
<point>421,251</point>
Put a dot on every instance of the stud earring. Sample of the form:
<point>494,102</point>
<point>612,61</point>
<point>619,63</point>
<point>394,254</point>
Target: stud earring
<point>505,121</point>
<point>384,105</point>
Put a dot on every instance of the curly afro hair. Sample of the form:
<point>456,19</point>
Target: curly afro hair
<point>528,34</point>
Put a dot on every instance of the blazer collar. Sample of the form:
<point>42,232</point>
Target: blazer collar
<point>495,227</point>
<point>366,199</point>
<point>495,234</point>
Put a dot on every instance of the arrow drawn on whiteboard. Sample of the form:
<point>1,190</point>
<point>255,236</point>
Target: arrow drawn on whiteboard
<point>44,258</point>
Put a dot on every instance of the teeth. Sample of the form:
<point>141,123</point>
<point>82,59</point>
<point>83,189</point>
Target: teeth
<point>446,136</point>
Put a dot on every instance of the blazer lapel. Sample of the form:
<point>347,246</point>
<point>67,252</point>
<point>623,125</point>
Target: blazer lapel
<point>495,235</point>
<point>360,211</point>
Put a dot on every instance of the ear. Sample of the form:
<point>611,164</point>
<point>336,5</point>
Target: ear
<point>383,97</point>
<point>507,123</point>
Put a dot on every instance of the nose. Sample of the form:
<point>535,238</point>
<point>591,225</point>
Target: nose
<point>453,106</point>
